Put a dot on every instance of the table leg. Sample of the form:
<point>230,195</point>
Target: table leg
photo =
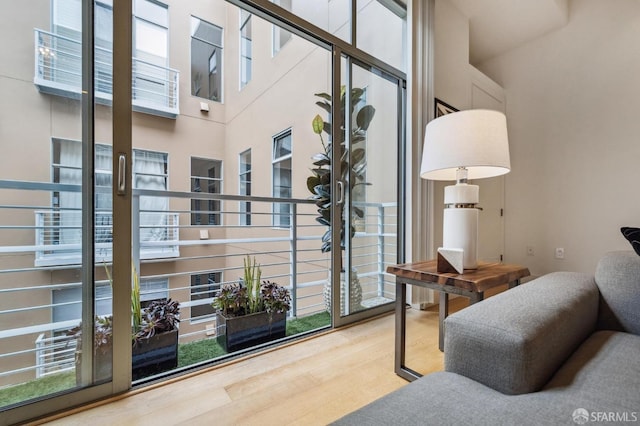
<point>401,325</point>
<point>444,312</point>
<point>515,283</point>
<point>401,330</point>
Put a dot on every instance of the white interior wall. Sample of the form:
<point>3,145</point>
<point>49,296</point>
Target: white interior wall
<point>573,98</point>
<point>461,85</point>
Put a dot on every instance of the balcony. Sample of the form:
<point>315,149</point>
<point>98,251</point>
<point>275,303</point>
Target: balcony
<point>39,303</point>
<point>58,236</point>
<point>58,71</point>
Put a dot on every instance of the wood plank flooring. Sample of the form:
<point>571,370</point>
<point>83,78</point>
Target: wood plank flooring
<point>312,382</point>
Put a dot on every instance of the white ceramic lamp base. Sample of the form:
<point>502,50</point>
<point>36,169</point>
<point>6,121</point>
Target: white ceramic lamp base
<point>460,225</point>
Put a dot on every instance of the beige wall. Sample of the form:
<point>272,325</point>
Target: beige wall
<point>572,100</point>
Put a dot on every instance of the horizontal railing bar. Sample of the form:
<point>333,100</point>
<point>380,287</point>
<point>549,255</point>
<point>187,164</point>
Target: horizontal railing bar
<point>206,195</point>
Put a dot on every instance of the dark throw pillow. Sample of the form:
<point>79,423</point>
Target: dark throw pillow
<point>633,236</point>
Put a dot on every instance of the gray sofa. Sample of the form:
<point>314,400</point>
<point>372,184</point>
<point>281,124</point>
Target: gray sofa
<point>560,349</point>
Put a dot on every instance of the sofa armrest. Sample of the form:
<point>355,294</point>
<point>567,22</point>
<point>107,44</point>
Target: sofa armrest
<point>515,341</point>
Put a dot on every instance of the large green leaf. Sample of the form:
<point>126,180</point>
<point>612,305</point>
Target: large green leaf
<point>325,106</point>
<point>357,155</point>
<point>364,117</point>
<point>317,124</point>
<point>323,96</point>
<point>323,221</point>
<point>326,126</point>
<point>321,159</point>
<point>358,211</point>
<point>312,182</point>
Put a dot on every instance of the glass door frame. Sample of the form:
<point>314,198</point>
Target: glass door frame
<point>342,202</point>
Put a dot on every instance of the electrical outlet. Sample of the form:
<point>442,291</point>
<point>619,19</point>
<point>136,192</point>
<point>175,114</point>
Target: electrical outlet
<point>559,253</point>
<point>530,251</point>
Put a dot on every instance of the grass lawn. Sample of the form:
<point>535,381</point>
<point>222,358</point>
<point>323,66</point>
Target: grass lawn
<point>188,354</point>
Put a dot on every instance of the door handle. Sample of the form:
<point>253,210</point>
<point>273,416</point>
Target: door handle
<point>340,191</point>
<point>122,174</point>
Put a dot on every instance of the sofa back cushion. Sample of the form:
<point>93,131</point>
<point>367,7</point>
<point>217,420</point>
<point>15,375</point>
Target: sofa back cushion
<point>515,341</point>
<point>618,279</point>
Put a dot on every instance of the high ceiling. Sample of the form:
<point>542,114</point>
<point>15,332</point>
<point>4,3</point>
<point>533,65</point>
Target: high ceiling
<point>497,26</point>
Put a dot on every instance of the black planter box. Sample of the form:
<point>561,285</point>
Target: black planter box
<point>235,333</point>
<point>155,355</point>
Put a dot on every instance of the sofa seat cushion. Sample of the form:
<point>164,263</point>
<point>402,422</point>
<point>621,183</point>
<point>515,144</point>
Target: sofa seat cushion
<point>449,399</point>
<point>602,375</point>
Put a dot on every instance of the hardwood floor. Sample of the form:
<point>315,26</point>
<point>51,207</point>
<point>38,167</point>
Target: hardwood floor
<point>312,382</point>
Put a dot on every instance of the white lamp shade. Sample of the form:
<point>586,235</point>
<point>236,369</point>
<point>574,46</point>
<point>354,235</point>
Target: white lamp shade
<point>475,139</point>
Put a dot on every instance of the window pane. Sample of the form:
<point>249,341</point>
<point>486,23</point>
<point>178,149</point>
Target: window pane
<point>381,31</point>
<point>331,16</point>
<point>206,60</point>
<point>203,290</point>
<point>245,187</point>
<point>282,146</point>
<point>282,185</point>
<point>151,43</point>
<point>206,176</point>
<point>152,12</point>
<point>245,48</point>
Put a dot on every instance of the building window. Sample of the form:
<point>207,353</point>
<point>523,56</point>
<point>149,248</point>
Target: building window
<point>245,187</point>
<point>149,172</point>
<point>206,60</point>
<point>280,35</point>
<point>206,176</point>
<point>282,178</point>
<point>245,48</point>
<point>204,288</point>
<point>151,51</point>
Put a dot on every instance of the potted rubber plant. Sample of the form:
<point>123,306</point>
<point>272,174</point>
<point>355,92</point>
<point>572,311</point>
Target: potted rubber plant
<point>250,312</point>
<point>352,157</point>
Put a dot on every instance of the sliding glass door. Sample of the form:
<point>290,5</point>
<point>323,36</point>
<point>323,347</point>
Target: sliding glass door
<point>57,334</point>
<point>371,194</point>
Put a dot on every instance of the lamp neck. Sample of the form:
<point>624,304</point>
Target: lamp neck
<point>461,175</point>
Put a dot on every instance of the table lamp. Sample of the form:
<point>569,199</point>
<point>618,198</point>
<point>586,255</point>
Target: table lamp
<point>459,146</point>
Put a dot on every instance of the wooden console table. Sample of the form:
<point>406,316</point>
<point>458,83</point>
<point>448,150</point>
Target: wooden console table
<point>471,284</point>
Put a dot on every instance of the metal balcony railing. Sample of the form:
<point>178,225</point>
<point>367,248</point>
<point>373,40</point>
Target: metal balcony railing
<point>41,302</point>
<point>58,236</point>
<point>58,71</point>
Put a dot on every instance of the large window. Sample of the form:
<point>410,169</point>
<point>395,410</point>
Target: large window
<point>245,48</point>
<point>151,38</point>
<point>206,176</point>
<point>282,178</point>
<point>204,288</point>
<point>206,60</point>
<point>245,187</point>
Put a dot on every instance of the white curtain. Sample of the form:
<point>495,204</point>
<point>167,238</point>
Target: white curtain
<point>149,173</point>
<point>70,202</point>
